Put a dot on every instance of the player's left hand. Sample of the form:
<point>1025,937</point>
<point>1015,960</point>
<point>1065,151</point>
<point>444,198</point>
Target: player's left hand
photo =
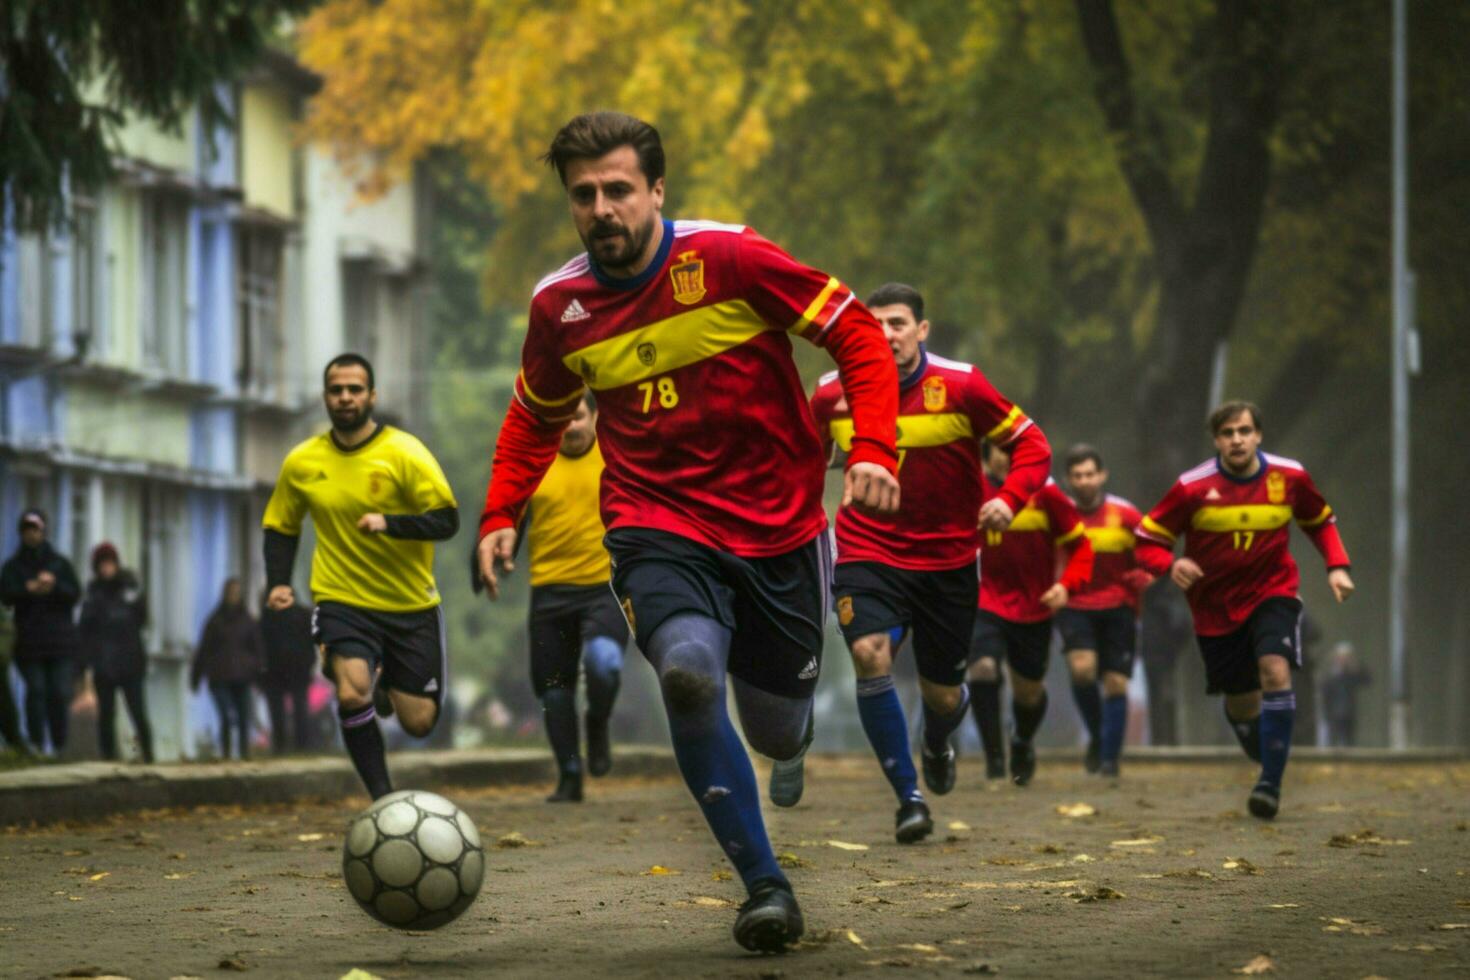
<point>996,515</point>
<point>372,523</point>
<point>870,487</point>
<point>1055,597</point>
<point>1341,584</point>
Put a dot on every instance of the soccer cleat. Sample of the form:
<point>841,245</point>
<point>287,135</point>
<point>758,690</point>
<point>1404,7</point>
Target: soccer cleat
<point>770,920</point>
<point>995,766</point>
<point>788,776</point>
<point>939,770</point>
<point>913,823</point>
<point>1265,800</point>
<point>1092,761</point>
<point>1023,761</point>
<point>1108,769</point>
<point>568,789</point>
<point>382,702</point>
<point>599,748</point>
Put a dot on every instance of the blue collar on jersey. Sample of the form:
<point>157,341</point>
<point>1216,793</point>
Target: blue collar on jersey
<point>664,248</point>
<point>917,373</point>
<point>1220,466</point>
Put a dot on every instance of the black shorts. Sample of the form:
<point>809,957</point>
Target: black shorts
<point>1023,645</point>
<point>563,618</point>
<point>1113,633</point>
<point>409,646</point>
<point>939,608</point>
<point>1232,660</point>
<point>775,607</point>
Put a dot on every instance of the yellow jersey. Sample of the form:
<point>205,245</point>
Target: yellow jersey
<point>391,473</point>
<point>565,535</point>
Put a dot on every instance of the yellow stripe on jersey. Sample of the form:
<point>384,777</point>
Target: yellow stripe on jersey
<point>1241,517</point>
<point>1078,531</point>
<point>1030,519</point>
<point>1319,519</point>
<point>1006,423</point>
<point>661,347</point>
<point>545,403</point>
<point>1113,540</point>
<point>1152,527</point>
<point>815,309</point>
<point>565,536</point>
<point>914,431</point>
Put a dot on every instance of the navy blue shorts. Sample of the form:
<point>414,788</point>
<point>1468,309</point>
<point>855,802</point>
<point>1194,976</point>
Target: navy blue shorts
<point>1232,661</point>
<point>1113,633</point>
<point>938,607</point>
<point>1024,646</point>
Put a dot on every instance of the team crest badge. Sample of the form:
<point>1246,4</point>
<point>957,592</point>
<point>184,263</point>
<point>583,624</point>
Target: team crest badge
<point>628,614</point>
<point>688,277</point>
<point>844,610</point>
<point>647,354</point>
<point>934,394</point>
<point>1275,487</point>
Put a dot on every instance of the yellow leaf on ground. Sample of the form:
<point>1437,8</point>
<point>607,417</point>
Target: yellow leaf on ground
<point>958,825</point>
<point>709,901</point>
<point>515,839</point>
<point>1241,865</point>
<point>720,876</point>
<point>1077,810</point>
<point>100,875</point>
<point>1284,905</point>
<point>659,869</point>
<point>1448,926</point>
<point>308,838</point>
<point>1136,842</point>
<point>357,973</point>
<point>1257,966</point>
<point>843,845</point>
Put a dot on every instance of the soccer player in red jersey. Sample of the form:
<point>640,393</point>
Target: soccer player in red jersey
<point>1020,592</point>
<point>712,493</point>
<point>1099,627</point>
<point>1234,513</point>
<point>916,569</point>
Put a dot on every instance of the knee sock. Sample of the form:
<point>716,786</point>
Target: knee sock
<point>1028,717</point>
<point>882,716</point>
<point>1089,703</point>
<point>1278,714</point>
<point>939,727</point>
<point>364,741</point>
<point>559,708</point>
<point>1114,726</point>
<point>1247,733</point>
<point>603,660</point>
<point>985,701</point>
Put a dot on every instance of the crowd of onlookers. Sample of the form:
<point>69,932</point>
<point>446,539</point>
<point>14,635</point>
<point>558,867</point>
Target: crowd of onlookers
<point>65,640</point>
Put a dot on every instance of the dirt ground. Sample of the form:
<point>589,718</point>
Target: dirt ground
<point>1366,873</point>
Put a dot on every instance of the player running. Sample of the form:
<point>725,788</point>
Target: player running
<point>1099,627</point>
<point>378,500</point>
<point>1020,592</point>
<point>1234,513</point>
<point>916,569</point>
<point>713,489</point>
<point>575,618</point>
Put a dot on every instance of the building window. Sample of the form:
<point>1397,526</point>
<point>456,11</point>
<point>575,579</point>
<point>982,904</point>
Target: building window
<point>84,278</point>
<point>259,268</point>
<point>37,283</point>
<point>360,306</point>
<point>165,302</point>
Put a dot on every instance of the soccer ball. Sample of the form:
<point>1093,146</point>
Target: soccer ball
<point>413,860</point>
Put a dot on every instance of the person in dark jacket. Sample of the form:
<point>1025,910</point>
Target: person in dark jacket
<point>114,613</point>
<point>9,714</point>
<point>290,660</point>
<point>230,657</point>
<point>42,587</point>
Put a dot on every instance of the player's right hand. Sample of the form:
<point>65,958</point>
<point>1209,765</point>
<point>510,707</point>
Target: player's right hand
<point>281,597</point>
<point>496,546</point>
<point>1185,572</point>
<point>870,487</point>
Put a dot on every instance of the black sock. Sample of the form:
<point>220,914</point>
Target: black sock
<point>364,741</point>
<point>1089,702</point>
<point>1248,734</point>
<point>1028,717</point>
<point>559,707</point>
<point>985,703</point>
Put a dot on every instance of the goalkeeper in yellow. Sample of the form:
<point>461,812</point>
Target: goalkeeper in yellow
<point>378,500</point>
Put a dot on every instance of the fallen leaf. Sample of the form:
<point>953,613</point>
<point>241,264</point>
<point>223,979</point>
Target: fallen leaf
<point>178,876</point>
<point>843,845</point>
<point>309,838</point>
<point>515,839</point>
<point>1136,842</point>
<point>1102,893</point>
<point>720,876</point>
<point>1077,810</point>
<point>1083,859</point>
<point>100,875</point>
<point>358,973</point>
<point>958,825</point>
<point>1449,926</point>
<point>709,901</point>
<point>1188,873</point>
<point>177,856</point>
<point>918,947</point>
<point>1364,837</point>
<point>1284,905</point>
<point>787,859</point>
<point>1261,964</point>
<point>1241,865</point>
<point>659,869</point>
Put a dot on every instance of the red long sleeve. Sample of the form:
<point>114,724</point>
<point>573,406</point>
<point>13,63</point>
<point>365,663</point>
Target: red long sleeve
<point>1153,556</point>
<point>523,453</point>
<point>1079,565</point>
<point>870,380</point>
<point>1030,466</point>
<point>1329,542</point>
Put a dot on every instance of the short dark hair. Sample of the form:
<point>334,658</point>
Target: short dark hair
<point>596,134</point>
<point>1080,454</point>
<point>896,293</point>
<point>1230,409</point>
<point>348,360</point>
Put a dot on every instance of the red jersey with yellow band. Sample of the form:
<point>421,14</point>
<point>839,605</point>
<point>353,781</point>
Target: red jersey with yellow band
<point>944,409</point>
<point>1237,530</point>
<point>1019,564</point>
<point>1111,527</point>
<point>702,417</point>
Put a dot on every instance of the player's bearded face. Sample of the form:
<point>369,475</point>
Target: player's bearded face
<point>617,246</point>
<point>616,209</point>
<point>349,399</point>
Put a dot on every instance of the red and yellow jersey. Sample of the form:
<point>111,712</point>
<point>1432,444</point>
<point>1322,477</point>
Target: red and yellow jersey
<point>1018,564</point>
<point>1111,527</point>
<point>702,418</point>
<point>1237,530</point>
<point>944,409</point>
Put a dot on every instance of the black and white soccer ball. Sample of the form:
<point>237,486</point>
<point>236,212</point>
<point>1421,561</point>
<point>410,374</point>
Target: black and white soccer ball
<point>413,860</point>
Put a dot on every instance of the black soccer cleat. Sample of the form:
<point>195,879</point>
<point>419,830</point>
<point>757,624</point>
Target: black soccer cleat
<point>770,920</point>
<point>939,770</point>
<point>599,748</point>
<point>568,789</point>
<point>913,822</point>
<point>1023,761</point>
<point>1108,769</point>
<point>995,766</point>
<point>382,703</point>
<point>1264,801</point>
<point>1092,761</point>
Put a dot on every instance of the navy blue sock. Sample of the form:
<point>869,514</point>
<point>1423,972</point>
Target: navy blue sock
<point>938,728</point>
<point>1089,703</point>
<point>603,659</point>
<point>1247,733</point>
<point>1114,726</point>
<point>1278,715</point>
<point>559,708</point>
<point>883,722</point>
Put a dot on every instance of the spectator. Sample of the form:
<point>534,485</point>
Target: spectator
<point>1340,695</point>
<point>290,659</point>
<point>114,613</point>
<point>41,585</point>
<point>230,657</point>
<point>9,715</point>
